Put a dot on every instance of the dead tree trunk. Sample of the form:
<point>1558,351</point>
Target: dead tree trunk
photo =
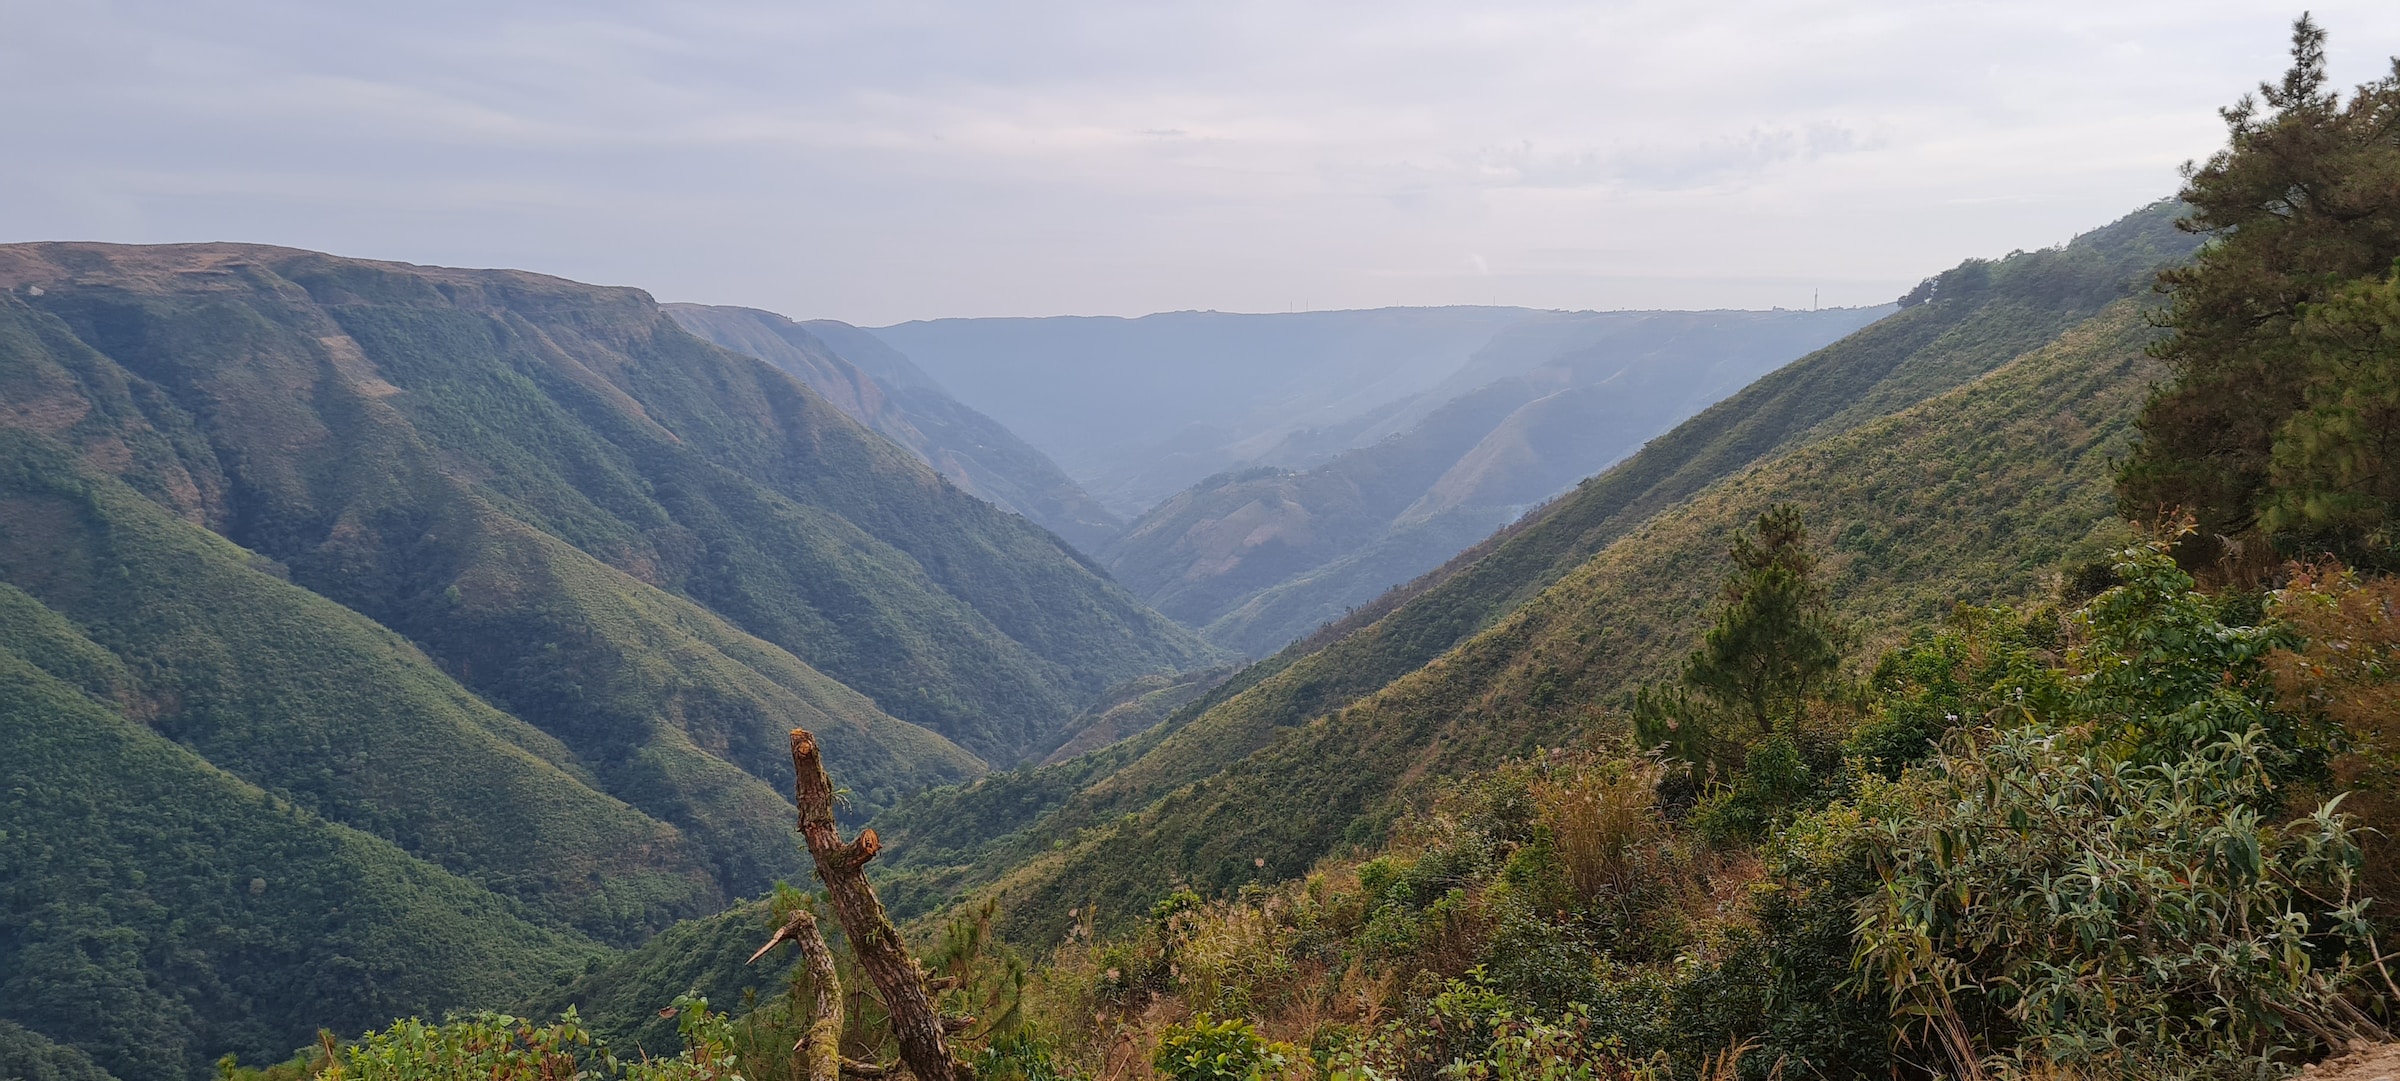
<point>916,1024</point>
<point>820,1045</point>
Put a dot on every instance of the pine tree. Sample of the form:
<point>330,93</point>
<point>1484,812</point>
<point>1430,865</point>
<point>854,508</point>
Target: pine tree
<point>1773,644</point>
<point>2334,481</point>
<point>2303,201</point>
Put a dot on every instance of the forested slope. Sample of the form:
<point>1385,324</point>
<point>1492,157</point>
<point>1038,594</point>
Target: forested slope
<point>339,408</point>
<point>191,636</point>
<point>1967,322</point>
<point>162,912</point>
<point>488,597</point>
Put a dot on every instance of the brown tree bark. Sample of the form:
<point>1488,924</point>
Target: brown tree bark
<point>916,1024</point>
<point>820,1045</point>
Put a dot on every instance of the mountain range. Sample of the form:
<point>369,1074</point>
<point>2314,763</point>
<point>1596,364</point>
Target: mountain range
<point>379,639</point>
<point>1139,409</point>
<point>1260,557</point>
<point>880,388</point>
<point>1352,450</point>
<point>1956,449</point>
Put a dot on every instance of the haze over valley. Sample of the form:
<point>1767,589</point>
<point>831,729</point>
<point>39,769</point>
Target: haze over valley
<point>546,542</point>
<point>1322,458</point>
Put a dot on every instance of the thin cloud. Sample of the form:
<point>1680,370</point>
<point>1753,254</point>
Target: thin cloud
<point>914,159</point>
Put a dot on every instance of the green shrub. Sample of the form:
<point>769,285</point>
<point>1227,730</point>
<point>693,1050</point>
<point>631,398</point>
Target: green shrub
<point>497,1047</point>
<point>1472,1030</point>
<point>2099,877</point>
<point>1206,1049</point>
<point>1019,1056</point>
<point>2068,906</point>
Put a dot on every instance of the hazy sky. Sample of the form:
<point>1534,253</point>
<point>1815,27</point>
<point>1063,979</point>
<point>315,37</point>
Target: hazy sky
<point>885,161</point>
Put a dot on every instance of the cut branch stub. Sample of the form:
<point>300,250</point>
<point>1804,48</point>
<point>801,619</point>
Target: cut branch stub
<point>820,1047</point>
<point>916,1024</point>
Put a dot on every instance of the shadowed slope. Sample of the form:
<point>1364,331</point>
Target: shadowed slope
<point>879,388</point>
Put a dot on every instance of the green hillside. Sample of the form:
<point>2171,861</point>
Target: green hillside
<point>710,957</point>
<point>1977,493</point>
<point>1867,724</point>
<point>338,409</point>
<point>299,696</point>
<point>1131,708</point>
<point>1969,321</point>
<point>162,912</point>
<point>497,593</point>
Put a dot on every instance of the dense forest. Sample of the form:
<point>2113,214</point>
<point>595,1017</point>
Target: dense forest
<point>379,639</point>
<point>2006,690</point>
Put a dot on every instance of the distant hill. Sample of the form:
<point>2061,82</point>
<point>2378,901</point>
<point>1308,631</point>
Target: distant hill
<point>1139,409</point>
<point>1284,469</point>
<point>1263,556</point>
<point>1958,449</point>
<point>379,639</point>
<point>880,388</point>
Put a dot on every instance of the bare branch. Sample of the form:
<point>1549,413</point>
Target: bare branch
<point>915,1023</point>
<point>821,1046</point>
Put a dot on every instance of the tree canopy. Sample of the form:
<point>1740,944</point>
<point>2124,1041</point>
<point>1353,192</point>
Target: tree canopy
<point>2277,423</point>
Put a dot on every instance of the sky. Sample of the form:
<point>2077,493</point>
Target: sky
<point>906,159</point>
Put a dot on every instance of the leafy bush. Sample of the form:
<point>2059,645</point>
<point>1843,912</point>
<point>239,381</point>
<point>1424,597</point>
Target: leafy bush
<point>2344,677</point>
<point>2100,879</point>
<point>1018,1056</point>
<point>1207,1049</point>
<point>497,1047</point>
<point>1983,666</point>
<point>2163,672</point>
<point>2086,909</point>
<point>1472,1031</point>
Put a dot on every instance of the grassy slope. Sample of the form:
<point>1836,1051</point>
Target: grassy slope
<point>1987,314</point>
<point>1975,494</point>
<point>1131,708</point>
<point>161,912</point>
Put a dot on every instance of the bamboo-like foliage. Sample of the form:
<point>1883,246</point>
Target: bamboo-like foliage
<point>2098,910</point>
<point>2106,882</point>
